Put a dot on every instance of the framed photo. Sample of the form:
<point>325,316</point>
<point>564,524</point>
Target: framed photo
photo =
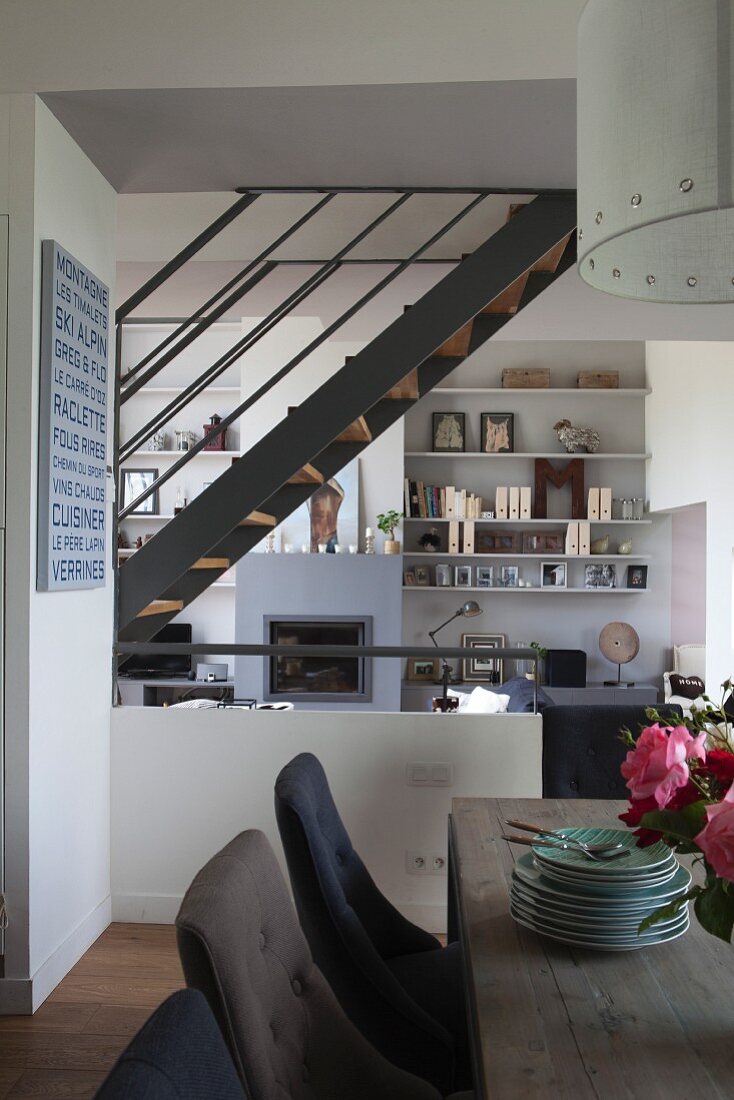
<point>483,666</point>
<point>600,576</point>
<point>408,578</point>
<point>423,575</point>
<point>553,574</point>
<point>547,542</point>
<point>637,576</point>
<point>462,576</point>
<point>449,431</point>
<point>509,576</point>
<point>443,576</point>
<point>423,668</point>
<point>485,576</point>
<point>496,542</point>
<point>498,433</point>
<point>134,482</point>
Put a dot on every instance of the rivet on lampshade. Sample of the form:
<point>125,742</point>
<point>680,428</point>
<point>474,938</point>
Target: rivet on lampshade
<point>656,149</point>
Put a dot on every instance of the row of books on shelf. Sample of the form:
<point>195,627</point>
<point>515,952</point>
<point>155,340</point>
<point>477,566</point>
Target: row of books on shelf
<point>440,502</point>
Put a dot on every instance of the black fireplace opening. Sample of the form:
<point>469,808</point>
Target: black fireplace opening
<point>318,679</point>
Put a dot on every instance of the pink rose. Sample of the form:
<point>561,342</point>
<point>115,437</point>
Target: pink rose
<point>657,765</point>
<point>716,839</point>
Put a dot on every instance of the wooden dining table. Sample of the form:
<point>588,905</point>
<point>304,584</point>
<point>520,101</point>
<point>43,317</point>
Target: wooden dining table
<point>554,1021</point>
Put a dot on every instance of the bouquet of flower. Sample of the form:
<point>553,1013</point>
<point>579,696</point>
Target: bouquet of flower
<point>681,782</point>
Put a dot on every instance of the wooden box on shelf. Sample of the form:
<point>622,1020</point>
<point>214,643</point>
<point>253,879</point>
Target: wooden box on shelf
<point>598,380</point>
<point>526,378</point>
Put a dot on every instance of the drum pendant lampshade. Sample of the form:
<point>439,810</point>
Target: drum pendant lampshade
<point>656,150</point>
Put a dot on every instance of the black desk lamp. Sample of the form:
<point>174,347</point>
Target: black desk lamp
<point>468,610</point>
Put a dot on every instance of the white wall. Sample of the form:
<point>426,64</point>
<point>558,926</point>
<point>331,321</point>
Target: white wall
<point>186,782</point>
<point>689,435</point>
<point>58,669</point>
<point>688,588</point>
<point>227,43</point>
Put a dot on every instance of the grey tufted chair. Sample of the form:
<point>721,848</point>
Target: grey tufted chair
<point>241,945</point>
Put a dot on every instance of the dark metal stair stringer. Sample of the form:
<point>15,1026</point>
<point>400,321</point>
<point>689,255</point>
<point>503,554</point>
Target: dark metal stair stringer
<point>358,386</point>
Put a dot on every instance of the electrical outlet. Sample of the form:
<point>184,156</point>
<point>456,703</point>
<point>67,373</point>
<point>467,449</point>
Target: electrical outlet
<point>438,864</point>
<point>429,773</point>
<point>417,863</point>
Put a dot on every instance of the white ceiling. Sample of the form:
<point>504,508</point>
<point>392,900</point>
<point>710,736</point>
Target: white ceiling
<point>54,45</point>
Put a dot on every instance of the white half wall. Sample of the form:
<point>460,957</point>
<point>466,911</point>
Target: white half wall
<point>58,661</point>
<point>185,782</point>
<point>689,434</point>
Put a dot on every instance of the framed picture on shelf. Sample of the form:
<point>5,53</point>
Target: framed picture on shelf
<point>423,575</point>
<point>485,576</point>
<point>496,542</point>
<point>408,578</point>
<point>423,668</point>
<point>498,433</point>
<point>637,576</point>
<point>462,576</point>
<point>553,574</point>
<point>135,482</point>
<point>449,432</point>
<point>483,667</point>
<point>509,576</point>
<point>547,542</point>
<point>443,576</point>
<point>600,576</point>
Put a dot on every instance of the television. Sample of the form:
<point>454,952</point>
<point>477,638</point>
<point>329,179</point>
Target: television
<point>161,664</point>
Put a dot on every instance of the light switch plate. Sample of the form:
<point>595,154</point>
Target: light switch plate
<point>429,773</point>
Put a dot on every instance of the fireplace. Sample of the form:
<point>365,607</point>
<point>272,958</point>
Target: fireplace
<point>318,679</point>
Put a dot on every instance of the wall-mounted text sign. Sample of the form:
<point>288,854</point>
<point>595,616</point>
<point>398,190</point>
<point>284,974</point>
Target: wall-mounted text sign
<point>73,424</point>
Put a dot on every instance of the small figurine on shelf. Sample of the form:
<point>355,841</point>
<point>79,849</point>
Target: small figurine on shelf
<point>157,442</point>
<point>369,541</point>
<point>121,541</point>
<point>430,541</point>
<point>387,522</point>
<point>215,441</point>
<point>270,542</point>
<point>138,542</point>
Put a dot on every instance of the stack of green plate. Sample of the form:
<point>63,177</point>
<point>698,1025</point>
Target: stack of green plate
<point>563,894</point>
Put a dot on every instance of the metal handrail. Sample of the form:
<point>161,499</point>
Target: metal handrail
<point>303,354</point>
<point>216,649</point>
<point>185,254</point>
<point>251,338</point>
<point>205,321</point>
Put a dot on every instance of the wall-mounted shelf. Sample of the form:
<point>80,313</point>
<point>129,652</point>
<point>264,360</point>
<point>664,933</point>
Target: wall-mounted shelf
<point>532,522</point>
<point>179,454</point>
<point>527,454</point>
<point>439,555</point>
<point>517,590</point>
<point>446,391</point>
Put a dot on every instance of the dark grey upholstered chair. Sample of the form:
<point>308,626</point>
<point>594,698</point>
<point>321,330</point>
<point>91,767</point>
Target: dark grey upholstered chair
<point>241,945</point>
<point>178,1054</point>
<point>394,981</point>
<point>582,750</point>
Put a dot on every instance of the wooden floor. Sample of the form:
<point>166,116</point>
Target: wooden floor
<point>66,1049</point>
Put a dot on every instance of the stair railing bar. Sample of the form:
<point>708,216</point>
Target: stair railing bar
<point>194,333</point>
<point>251,338</point>
<point>185,254</point>
<point>200,317</point>
<point>297,359</point>
<point>551,191</point>
<point>217,369</point>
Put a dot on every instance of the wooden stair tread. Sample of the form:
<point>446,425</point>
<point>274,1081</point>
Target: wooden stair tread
<point>258,519</point>
<point>211,563</point>
<point>406,388</point>
<point>509,300</point>
<point>160,607</point>
<point>307,475</point>
<point>357,432</point>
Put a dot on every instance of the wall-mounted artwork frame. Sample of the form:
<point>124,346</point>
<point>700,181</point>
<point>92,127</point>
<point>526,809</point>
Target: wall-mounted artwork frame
<point>497,433</point>
<point>132,484</point>
<point>483,667</point>
<point>449,432</point>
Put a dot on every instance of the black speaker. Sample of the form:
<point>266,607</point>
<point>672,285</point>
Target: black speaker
<point>566,668</point>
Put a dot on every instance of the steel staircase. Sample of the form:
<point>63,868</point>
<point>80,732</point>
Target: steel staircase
<point>343,416</point>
